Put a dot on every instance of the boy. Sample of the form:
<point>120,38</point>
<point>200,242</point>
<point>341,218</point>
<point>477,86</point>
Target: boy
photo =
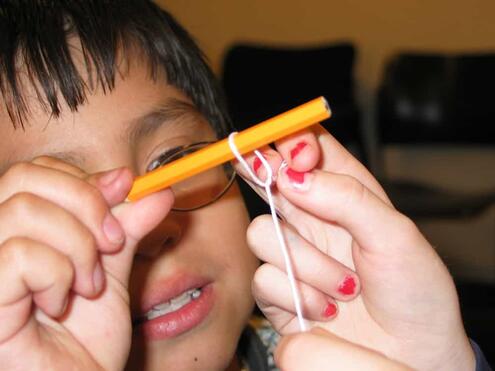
<point>89,86</point>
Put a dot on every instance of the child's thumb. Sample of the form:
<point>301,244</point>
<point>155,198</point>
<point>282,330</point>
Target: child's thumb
<point>137,220</point>
<point>321,350</point>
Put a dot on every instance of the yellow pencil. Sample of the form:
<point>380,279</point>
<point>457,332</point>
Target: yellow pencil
<point>218,153</point>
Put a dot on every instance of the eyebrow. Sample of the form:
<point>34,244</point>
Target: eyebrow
<point>166,113</point>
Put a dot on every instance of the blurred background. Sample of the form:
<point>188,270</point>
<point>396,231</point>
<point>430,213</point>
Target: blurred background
<point>411,86</point>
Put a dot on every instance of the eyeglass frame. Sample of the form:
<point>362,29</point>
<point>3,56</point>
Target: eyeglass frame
<point>227,187</point>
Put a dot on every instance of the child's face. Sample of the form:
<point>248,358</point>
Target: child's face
<point>203,249</point>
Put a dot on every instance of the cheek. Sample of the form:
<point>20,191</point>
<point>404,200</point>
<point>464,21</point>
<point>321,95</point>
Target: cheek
<point>225,223</point>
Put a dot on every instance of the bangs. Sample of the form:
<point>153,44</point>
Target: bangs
<point>37,48</point>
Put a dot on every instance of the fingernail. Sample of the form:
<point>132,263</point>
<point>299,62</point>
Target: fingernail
<point>297,149</point>
<point>256,164</point>
<point>298,180</point>
<point>98,277</point>
<point>347,286</point>
<point>112,229</point>
<point>65,305</point>
<point>295,176</point>
<point>330,310</point>
<point>109,177</point>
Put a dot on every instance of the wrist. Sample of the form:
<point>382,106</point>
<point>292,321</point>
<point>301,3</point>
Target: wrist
<point>446,352</point>
<point>481,364</point>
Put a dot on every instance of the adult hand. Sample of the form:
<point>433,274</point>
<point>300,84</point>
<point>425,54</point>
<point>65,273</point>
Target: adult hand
<point>344,235</point>
<point>318,349</point>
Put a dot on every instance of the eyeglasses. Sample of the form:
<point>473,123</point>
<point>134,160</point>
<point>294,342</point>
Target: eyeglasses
<point>202,189</point>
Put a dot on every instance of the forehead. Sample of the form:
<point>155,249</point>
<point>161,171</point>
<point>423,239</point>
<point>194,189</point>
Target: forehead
<point>102,121</point>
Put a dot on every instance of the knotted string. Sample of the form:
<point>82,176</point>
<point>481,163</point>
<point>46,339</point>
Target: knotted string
<point>267,186</point>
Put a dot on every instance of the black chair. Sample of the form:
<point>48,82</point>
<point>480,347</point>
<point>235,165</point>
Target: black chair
<point>261,81</point>
<point>439,100</point>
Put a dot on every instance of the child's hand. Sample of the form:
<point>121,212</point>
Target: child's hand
<point>344,236</point>
<point>66,250</point>
<point>318,349</point>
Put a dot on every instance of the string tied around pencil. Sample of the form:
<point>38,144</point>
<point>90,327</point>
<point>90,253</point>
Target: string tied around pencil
<point>278,230</point>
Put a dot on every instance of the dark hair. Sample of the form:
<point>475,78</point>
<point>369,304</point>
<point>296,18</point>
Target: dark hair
<point>34,34</point>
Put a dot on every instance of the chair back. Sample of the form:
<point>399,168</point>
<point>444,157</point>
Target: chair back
<point>260,81</point>
<point>437,98</point>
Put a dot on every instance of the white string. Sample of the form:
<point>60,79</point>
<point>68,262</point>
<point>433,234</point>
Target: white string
<point>267,185</point>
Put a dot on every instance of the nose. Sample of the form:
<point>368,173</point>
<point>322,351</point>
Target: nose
<point>164,237</point>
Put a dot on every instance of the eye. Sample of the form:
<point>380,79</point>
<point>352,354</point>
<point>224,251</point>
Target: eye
<point>165,157</point>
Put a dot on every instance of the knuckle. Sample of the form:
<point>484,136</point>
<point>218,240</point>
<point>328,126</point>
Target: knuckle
<point>87,251</point>
<point>355,192</point>
<point>406,223</point>
<point>21,205</point>
<point>257,227</point>
<point>65,272</point>
<point>17,173</point>
<point>409,231</point>
<point>311,303</point>
<point>22,253</point>
<point>261,277</point>
<point>14,251</point>
<point>22,167</point>
<point>92,200</point>
<point>90,195</point>
<point>61,266</point>
<point>322,268</point>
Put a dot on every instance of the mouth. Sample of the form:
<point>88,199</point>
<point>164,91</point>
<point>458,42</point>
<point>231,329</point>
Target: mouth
<point>174,309</point>
<point>169,306</point>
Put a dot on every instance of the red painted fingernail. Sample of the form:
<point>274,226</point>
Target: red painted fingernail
<point>295,176</point>
<point>256,164</point>
<point>297,149</point>
<point>113,230</point>
<point>330,310</point>
<point>348,286</point>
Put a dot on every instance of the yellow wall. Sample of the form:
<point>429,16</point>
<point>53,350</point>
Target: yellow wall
<point>379,28</point>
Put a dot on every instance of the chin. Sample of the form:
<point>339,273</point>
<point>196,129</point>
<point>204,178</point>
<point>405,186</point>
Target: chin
<point>200,351</point>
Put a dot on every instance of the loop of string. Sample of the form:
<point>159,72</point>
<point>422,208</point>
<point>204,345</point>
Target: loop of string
<point>267,186</point>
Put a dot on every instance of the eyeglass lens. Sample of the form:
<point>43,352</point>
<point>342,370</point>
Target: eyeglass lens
<point>203,188</point>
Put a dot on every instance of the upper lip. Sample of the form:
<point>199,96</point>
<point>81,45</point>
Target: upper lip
<point>166,289</point>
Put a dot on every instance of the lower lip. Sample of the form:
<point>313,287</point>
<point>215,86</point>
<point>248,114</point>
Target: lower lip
<point>182,320</point>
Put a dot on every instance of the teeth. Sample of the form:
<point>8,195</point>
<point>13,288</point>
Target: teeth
<point>173,304</point>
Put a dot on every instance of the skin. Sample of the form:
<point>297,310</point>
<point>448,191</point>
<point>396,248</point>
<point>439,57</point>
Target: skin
<point>52,236</point>
<point>329,352</point>
<point>339,223</point>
